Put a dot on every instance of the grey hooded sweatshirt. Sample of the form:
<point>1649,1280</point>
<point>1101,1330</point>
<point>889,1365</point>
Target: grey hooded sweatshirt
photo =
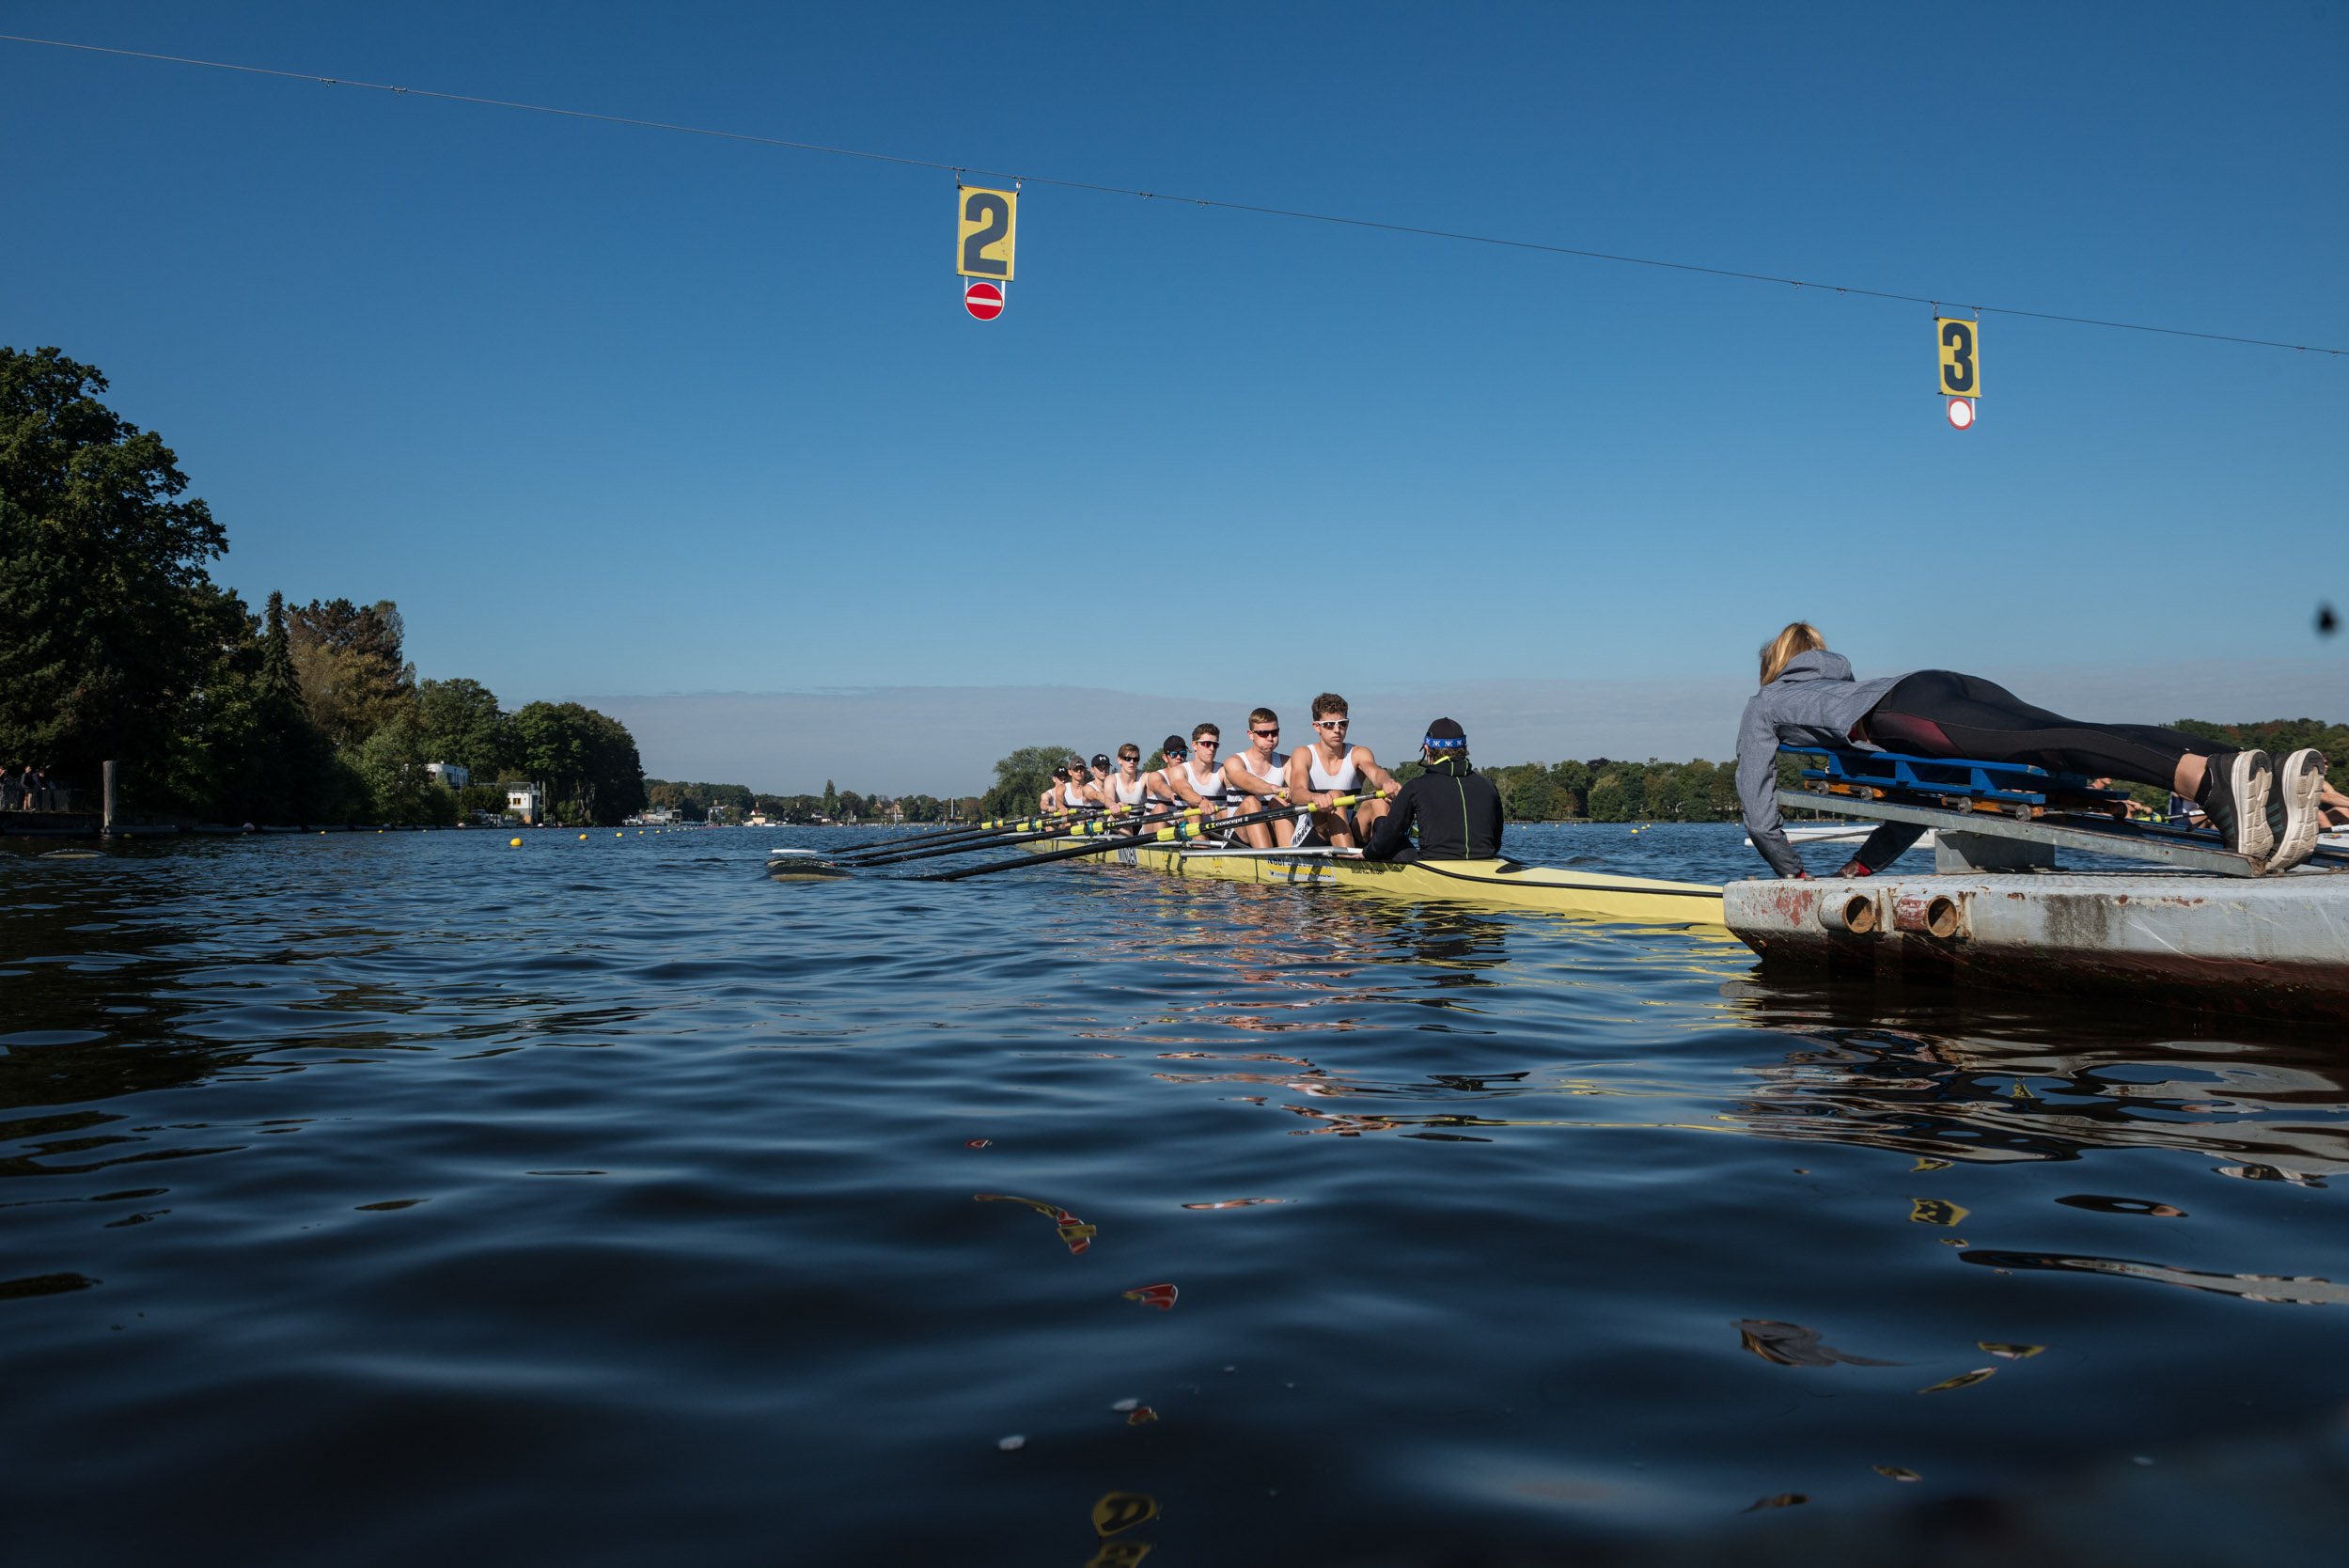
<point>1814,701</point>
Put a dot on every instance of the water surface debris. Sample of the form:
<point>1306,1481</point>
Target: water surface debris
<point>1962,1380</point>
<point>2010,1353</point>
<point>1935,1211</point>
<point>2122,1205</point>
<point>1119,1512</point>
<point>1790,1344</point>
<point>1016,1441</point>
<point>1074,1231</point>
<point>1125,1404</point>
<point>1141,1416</point>
<point>1239,1202</point>
<point>1896,1472</point>
<point>979,1143</point>
<point>1777,1499</point>
<point>1160,1297</point>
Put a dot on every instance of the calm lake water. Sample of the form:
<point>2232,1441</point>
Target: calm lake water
<point>386,1199</point>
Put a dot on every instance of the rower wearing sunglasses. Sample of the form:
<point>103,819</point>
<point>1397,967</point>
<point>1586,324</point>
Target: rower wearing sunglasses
<point>1259,778</point>
<point>1162,793</point>
<point>1197,779</point>
<point>1125,790</point>
<point>1331,767</point>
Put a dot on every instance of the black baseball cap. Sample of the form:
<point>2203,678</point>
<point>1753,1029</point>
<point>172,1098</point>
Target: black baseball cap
<point>1175,746</point>
<point>1100,759</point>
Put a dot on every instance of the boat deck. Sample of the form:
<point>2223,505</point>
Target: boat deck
<point>1492,882</point>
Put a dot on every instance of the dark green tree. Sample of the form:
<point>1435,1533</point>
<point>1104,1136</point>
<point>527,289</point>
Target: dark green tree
<point>459,722</point>
<point>109,623</point>
<point>587,759</point>
<point>1020,780</point>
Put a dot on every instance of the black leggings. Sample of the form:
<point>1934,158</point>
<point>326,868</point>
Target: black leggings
<point>1939,712</point>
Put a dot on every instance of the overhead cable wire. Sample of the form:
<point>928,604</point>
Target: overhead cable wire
<point>961,169</point>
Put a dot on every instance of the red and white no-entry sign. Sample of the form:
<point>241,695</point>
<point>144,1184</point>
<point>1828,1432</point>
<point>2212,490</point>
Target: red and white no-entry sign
<point>983,299</point>
<point>1962,412</point>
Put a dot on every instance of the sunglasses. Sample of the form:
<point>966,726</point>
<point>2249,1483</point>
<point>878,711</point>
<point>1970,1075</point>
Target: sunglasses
<point>1331,724</point>
<point>1206,746</point>
<point>1264,731</point>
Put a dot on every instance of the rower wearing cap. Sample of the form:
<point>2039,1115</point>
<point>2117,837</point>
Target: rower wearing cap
<point>1330,767</point>
<point>1457,809</point>
<point>1172,753</point>
<point>1050,804</point>
<point>1259,777</point>
<point>1077,795</point>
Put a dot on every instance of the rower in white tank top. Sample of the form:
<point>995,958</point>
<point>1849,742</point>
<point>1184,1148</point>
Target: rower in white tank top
<point>1211,788</point>
<point>1279,778</point>
<point>1124,798</point>
<point>1342,781</point>
<point>1075,798</point>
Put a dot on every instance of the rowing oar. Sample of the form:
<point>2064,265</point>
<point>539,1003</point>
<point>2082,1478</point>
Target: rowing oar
<point>959,830</point>
<point>1093,829</point>
<point>874,855</point>
<point>968,834</point>
<point>1177,833</point>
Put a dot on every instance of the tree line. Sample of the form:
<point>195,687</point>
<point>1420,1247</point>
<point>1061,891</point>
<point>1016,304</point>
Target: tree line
<point>116,643</point>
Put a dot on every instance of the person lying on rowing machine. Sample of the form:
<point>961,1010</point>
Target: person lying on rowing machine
<point>1259,779</point>
<point>1807,698</point>
<point>1457,809</point>
<point>1329,768</point>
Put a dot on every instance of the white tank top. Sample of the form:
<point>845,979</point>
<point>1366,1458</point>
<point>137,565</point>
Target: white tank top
<point>1213,788</point>
<point>1343,780</point>
<point>1278,777</point>
<point>1075,800</point>
<point>1140,790</point>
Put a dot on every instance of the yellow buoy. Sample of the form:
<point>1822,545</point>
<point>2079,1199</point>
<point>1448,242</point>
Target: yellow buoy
<point>619,835</point>
<point>516,842</point>
<point>583,838</point>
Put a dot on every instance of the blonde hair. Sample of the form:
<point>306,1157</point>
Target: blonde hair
<point>1800,636</point>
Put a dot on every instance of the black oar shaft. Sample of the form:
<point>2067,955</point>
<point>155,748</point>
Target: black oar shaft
<point>1090,829</point>
<point>1164,835</point>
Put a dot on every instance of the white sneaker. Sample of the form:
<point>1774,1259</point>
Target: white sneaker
<point>2236,802</point>
<point>2298,783</point>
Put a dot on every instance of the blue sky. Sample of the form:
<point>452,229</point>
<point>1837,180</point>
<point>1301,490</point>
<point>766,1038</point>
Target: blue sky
<point>615,411</point>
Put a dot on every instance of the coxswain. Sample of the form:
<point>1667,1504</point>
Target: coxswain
<point>2267,811</point>
<point>1456,810</point>
<point>1259,778</point>
<point>1331,767</point>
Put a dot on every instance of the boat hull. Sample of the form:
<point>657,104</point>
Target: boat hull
<point>1489,882</point>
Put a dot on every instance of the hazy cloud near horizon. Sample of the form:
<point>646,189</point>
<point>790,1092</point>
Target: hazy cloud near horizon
<point>944,740</point>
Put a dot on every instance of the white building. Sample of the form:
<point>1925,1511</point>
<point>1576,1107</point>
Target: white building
<point>527,801</point>
<point>450,773</point>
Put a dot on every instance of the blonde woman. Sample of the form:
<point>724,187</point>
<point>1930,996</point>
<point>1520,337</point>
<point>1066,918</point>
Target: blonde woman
<point>1809,698</point>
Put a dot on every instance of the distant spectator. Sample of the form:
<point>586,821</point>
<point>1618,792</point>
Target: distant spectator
<point>11,791</point>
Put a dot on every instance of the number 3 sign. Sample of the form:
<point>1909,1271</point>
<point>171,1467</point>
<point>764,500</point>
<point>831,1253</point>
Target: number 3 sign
<point>1961,346</point>
<point>986,233</point>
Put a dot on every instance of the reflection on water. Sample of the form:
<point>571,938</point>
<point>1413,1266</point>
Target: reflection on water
<point>605,1200</point>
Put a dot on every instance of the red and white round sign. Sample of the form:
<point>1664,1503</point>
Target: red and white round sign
<point>1962,412</point>
<point>983,299</point>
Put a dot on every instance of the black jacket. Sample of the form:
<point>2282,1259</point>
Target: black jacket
<point>1458,813</point>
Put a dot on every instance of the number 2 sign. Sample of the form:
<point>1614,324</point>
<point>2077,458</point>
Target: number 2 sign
<point>1961,346</point>
<point>986,233</point>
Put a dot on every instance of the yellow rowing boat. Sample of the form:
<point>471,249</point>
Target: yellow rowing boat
<point>1504,881</point>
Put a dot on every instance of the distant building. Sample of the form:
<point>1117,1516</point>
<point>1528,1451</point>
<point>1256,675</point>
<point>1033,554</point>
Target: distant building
<point>527,801</point>
<point>450,773</point>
